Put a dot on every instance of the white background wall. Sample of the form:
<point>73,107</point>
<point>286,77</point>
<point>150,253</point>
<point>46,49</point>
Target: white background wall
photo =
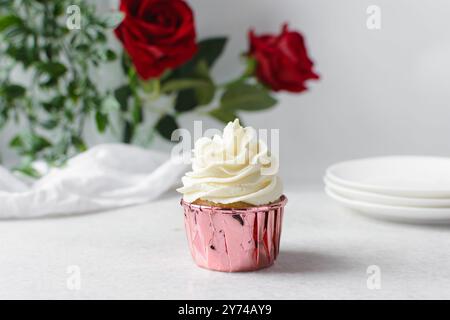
<point>381,92</point>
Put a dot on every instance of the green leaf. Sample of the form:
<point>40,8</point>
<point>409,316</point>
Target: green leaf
<point>223,115</point>
<point>101,120</point>
<point>83,47</point>
<point>101,36</point>
<point>166,75</point>
<point>110,55</point>
<point>211,49</point>
<point>186,100</point>
<point>28,170</point>
<point>192,91</point>
<point>246,97</point>
<point>181,84</point>
<point>58,9</point>
<point>122,94</point>
<point>16,142</point>
<point>150,86</point>
<point>69,114</point>
<point>23,54</point>
<point>78,143</point>
<point>37,142</point>
<point>4,3</point>
<point>136,113</point>
<point>50,124</point>
<point>74,90</point>
<point>29,142</point>
<point>53,69</point>
<point>12,91</point>
<point>3,119</point>
<point>125,62</point>
<point>204,94</point>
<point>208,50</point>
<point>166,125</point>
<point>9,21</point>
<point>56,103</point>
<point>250,66</point>
<point>128,132</point>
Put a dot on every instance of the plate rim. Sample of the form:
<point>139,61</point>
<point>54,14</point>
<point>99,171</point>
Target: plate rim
<point>439,202</point>
<point>397,191</point>
<point>399,211</point>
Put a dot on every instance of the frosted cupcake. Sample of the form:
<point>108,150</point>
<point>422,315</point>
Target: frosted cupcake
<point>233,202</point>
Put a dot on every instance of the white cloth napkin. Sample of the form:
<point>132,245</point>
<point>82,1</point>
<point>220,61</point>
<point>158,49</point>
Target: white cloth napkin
<point>106,176</point>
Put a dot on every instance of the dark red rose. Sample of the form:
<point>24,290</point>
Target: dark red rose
<point>282,60</point>
<point>157,34</point>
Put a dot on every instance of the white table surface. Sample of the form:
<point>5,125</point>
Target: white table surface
<point>141,253</point>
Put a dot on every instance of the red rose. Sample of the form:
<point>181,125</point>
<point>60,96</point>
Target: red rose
<point>157,34</point>
<point>282,60</point>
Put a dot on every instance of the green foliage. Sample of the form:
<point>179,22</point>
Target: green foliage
<point>209,50</point>
<point>192,80</point>
<point>248,97</point>
<point>62,94</point>
<point>12,91</point>
<point>191,84</point>
<point>223,114</point>
<point>9,21</point>
<point>166,125</point>
<point>182,84</point>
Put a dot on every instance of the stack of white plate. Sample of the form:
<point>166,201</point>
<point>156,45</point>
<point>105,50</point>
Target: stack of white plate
<point>400,188</point>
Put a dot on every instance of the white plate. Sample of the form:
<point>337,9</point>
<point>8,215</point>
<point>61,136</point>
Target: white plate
<point>408,176</point>
<point>392,213</point>
<point>354,194</point>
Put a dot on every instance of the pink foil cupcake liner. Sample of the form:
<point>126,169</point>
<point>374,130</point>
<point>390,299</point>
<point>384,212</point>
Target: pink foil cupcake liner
<point>233,240</point>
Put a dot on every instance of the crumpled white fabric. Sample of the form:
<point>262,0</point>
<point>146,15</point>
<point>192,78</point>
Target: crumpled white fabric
<point>104,177</point>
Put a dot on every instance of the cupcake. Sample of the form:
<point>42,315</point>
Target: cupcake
<point>233,202</point>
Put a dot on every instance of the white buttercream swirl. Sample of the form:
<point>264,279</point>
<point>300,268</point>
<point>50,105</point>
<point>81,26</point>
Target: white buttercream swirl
<point>231,168</point>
